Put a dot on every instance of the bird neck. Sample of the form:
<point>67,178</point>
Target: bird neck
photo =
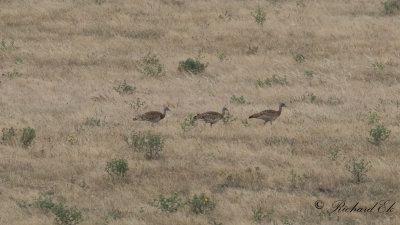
<point>165,112</point>
<point>280,109</point>
<point>223,113</point>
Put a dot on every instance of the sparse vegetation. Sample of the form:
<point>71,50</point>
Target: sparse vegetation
<point>228,118</point>
<point>391,6</point>
<point>92,122</point>
<point>358,169</point>
<point>8,135</point>
<point>274,80</point>
<point>150,66</point>
<point>201,204</point>
<point>117,168</point>
<point>192,66</point>
<point>299,58</point>
<point>7,46</point>
<point>150,144</point>
<point>171,204</point>
<point>13,74</point>
<point>124,88</point>
<point>28,134</point>
<point>188,122</point>
<point>379,134</point>
<point>252,50</point>
<point>239,100</point>
<point>309,74</point>
<point>333,153</point>
<point>259,16</point>
<point>297,181</point>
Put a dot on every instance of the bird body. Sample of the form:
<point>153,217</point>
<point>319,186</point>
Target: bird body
<point>152,116</point>
<point>268,115</point>
<point>211,117</point>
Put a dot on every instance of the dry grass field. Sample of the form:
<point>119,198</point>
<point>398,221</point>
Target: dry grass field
<point>336,67</point>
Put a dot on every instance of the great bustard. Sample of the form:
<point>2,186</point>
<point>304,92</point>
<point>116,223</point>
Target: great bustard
<point>152,116</point>
<point>268,115</point>
<point>211,117</point>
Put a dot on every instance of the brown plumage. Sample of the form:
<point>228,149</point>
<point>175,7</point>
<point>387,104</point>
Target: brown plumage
<point>152,116</point>
<point>211,117</point>
<point>268,115</point>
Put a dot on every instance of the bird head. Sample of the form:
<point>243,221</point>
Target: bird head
<point>282,105</point>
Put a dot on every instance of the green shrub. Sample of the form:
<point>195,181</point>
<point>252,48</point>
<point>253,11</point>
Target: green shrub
<point>274,80</point>
<point>99,2</point>
<point>378,65</point>
<point>391,6</point>
<point>188,122</point>
<point>221,56</point>
<point>333,153</point>
<point>66,216</point>
<point>171,204</point>
<point>45,201</point>
<point>299,58</point>
<point>28,135</point>
<point>239,100</point>
<point>117,168</point>
<point>358,169</point>
<point>4,46</point>
<point>201,204</point>
<point>309,74</point>
<point>8,135</point>
<point>115,214</point>
<point>192,66</point>
<point>259,16</point>
<point>150,144</point>
<point>13,74</point>
<point>252,50</point>
<point>245,122</point>
<point>258,215</point>
<point>18,60</point>
<point>228,118</point>
<point>373,118</point>
<point>379,134</point>
<point>124,88</point>
<point>150,66</point>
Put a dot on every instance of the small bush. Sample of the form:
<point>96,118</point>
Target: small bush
<point>378,66</point>
<point>228,118</point>
<point>252,50</point>
<point>239,100</point>
<point>192,66</point>
<point>137,104</point>
<point>391,6</point>
<point>373,118</point>
<point>333,153</point>
<point>66,216</point>
<point>115,214</point>
<point>274,80</point>
<point>13,74</point>
<point>4,46</point>
<point>258,215</point>
<point>299,58</point>
<point>171,204</point>
<point>259,16</point>
<point>150,66</point>
<point>188,122</point>
<point>379,134</point>
<point>117,168</point>
<point>309,74</point>
<point>297,181</point>
<point>201,204</point>
<point>28,135</point>
<point>8,135</point>
<point>358,169</point>
<point>221,56</point>
<point>45,201</point>
<point>150,144</point>
<point>18,60</point>
<point>245,122</point>
<point>99,2</point>
<point>124,88</point>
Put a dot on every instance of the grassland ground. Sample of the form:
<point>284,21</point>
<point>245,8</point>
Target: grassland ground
<point>336,67</point>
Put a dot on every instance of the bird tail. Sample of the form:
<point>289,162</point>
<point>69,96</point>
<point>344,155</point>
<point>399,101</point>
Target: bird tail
<point>196,117</point>
<point>252,116</point>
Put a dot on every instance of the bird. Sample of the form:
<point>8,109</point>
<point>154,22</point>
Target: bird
<point>211,117</point>
<point>268,115</point>
<point>152,116</point>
